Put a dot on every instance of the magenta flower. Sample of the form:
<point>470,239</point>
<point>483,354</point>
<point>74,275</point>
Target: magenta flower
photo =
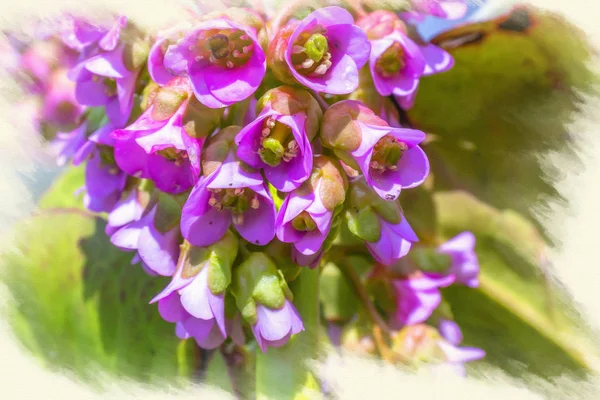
<point>306,214</point>
<point>274,327</point>
<point>390,159</point>
<point>127,210</point>
<point>205,329</point>
<point>279,145</point>
<point>464,263</point>
<point>456,356</point>
<point>157,146</point>
<point>72,145</point>
<point>60,107</point>
<point>326,50</point>
<point>81,35</point>
<point>304,221</point>
<point>446,9</point>
<point>157,250</point>
<point>418,296</point>
<point>104,80</point>
<point>394,243</point>
<point>230,194</point>
<point>223,60</point>
<point>104,183</point>
<point>196,298</point>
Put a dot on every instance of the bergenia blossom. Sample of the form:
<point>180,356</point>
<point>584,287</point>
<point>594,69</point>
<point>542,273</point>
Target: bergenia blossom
<point>279,145</point>
<point>326,50</point>
<point>158,251</point>
<point>464,263</point>
<point>418,296</point>
<point>446,9</point>
<point>306,214</point>
<point>232,194</point>
<point>157,145</point>
<point>274,327</point>
<point>79,34</point>
<point>104,80</point>
<point>104,181</point>
<point>394,243</point>
<point>456,356</point>
<point>223,60</point>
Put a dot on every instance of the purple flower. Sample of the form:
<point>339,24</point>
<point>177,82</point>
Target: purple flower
<point>446,9</point>
<point>104,182</point>
<point>128,209</point>
<point>104,80</point>
<point>157,146</point>
<point>72,145</point>
<point>230,194</point>
<point>326,50</point>
<point>390,159</point>
<point>80,35</point>
<point>274,327</point>
<point>306,214</point>
<point>418,296</point>
<point>60,107</point>
<point>397,64</point>
<point>464,263</point>
<point>222,58</point>
<point>203,324</point>
<point>456,356</point>
<point>157,250</point>
<point>279,145</point>
<point>394,243</point>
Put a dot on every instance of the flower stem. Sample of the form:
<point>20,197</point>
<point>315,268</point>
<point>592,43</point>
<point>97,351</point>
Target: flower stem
<point>320,100</point>
<point>284,373</point>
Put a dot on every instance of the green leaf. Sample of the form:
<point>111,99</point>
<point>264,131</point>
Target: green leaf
<point>339,301</point>
<point>61,193</point>
<point>507,103</point>
<point>79,305</point>
<point>519,316</point>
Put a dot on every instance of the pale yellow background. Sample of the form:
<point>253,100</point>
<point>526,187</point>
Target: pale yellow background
<point>577,265</point>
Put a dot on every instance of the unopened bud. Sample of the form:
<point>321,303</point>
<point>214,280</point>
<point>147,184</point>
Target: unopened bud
<point>257,280</point>
<point>329,178</point>
<point>200,121</point>
<point>340,129</point>
<point>166,102</point>
<point>276,54</point>
<point>135,54</point>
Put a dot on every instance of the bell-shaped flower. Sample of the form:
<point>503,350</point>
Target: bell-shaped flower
<point>464,263</point>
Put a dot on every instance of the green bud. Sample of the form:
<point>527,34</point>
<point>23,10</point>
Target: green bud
<point>148,94</point>
<point>316,46</point>
<point>364,224</point>
<point>218,147</point>
<point>168,212</point>
<point>258,280</point>
<point>135,54</point>
<point>166,102</point>
<point>430,260</point>
<point>331,181</point>
<point>362,196</point>
<point>218,258</point>
<point>340,129</point>
<point>200,121</point>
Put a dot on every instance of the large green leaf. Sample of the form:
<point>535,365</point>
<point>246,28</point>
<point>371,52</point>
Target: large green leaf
<point>79,305</point>
<point>519,315</point>
<point>62,192</point>
<point>516,85</point>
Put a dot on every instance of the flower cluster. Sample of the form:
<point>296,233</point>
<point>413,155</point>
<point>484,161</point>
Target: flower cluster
<point>208,144</point>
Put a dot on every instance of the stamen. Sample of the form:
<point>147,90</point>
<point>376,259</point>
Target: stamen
<point>308,63</point>
<point>297,49</point>
<point>229,64</point>
<point>321,69</point>
<point>254,203</point>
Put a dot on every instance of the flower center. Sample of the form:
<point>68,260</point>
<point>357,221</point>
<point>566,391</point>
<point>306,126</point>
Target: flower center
<point>277,143</point>
<point>172,154</point>
<point>310,53</point>
<point>227,48</point>
<point>304,222</point>
<point>387,153</point>
<point>237,201</point>
<point>391,61</point>
<point>110,84</point>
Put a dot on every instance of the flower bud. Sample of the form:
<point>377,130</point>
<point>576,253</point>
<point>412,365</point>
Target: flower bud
<point>389,158</point>
<point>195,297</point>
<point>218,148</point>
<point>264,299</point>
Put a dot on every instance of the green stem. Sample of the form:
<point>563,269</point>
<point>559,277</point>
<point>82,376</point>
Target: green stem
<point>284,373</point>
